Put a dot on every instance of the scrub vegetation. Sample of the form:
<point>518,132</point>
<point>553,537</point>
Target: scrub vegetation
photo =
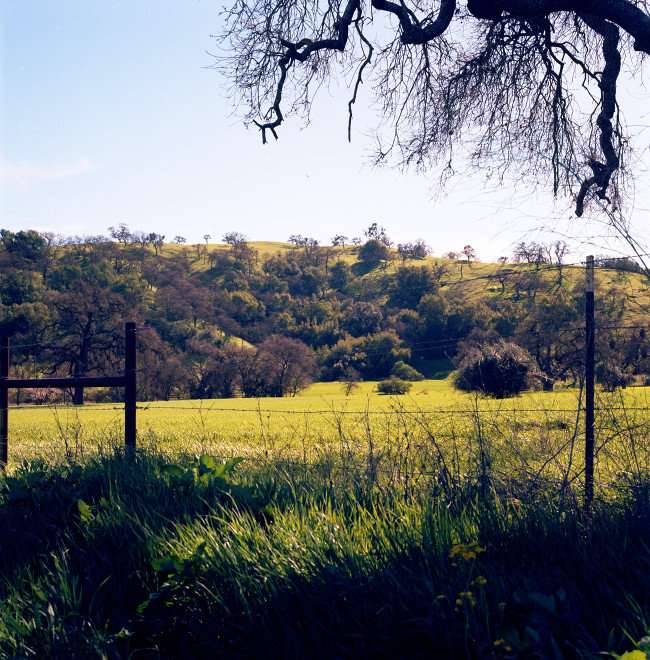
<point>438,523</point>
<point>248,320</point>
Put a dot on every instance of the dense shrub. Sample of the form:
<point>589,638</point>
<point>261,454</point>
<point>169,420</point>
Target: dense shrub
<point>372,356</point>
<point>393,385</point>
<point>405,371</point>
<point>498,369</point>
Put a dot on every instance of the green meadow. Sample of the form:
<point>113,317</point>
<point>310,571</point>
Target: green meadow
<point>323,413</point>
<point>539,434</point>
<point>188,425</point>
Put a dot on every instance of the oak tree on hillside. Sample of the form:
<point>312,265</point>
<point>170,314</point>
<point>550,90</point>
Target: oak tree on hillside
<point>527,86</point>
<point>340,275</point>
<point>373,253</point>
<point>234,237</point>
<point>417,250</point>
<point>88,332</point>
<point>289,365</point>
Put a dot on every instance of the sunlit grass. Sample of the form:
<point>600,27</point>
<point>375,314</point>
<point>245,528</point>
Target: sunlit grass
<point>117,557</point>
<point>318,407</point>
<point>437,524</point>
<point>534,438</point>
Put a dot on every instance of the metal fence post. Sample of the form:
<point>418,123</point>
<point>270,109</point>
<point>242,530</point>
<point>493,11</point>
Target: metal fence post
<point>129,385</point>
<point>4,402</point>
<point>590,329</point>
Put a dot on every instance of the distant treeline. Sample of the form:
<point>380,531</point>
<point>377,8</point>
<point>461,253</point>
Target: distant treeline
<point>231,320</point>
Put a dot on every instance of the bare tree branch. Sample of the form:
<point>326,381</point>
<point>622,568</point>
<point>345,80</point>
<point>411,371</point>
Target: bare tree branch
<point>508,82</point>
<point>602,172</point>
<point>627,15</point>
<point>359,81</point>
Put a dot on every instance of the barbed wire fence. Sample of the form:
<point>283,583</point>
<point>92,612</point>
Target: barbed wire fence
<point>432,461</point>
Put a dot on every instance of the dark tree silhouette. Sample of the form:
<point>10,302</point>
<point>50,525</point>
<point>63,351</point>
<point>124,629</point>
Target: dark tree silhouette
<point>234,237</point>
<point>89,327</point>
<point>373,253</point>
<point>120,233</point>
<point>499,369</point>
<point>527,85</point>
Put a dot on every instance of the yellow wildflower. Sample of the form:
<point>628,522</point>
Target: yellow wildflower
<point>466,551</point>
<point>466,598</point>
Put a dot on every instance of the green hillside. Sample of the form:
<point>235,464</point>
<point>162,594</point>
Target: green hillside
<point>268,318</point>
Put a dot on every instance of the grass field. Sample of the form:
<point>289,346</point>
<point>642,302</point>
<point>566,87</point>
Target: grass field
<point>319,411</point>
<point>434,525</point>
<point>537,435</point>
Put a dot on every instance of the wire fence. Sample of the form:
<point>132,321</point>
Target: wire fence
<point>91,409</point>
<point>407,444</point>
<point>516,449</point>
<point>406,440</point>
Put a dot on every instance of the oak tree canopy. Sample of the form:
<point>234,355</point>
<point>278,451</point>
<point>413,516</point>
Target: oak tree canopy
<point>508,85</point>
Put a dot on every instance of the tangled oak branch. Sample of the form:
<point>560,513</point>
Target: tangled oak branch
<point>497,75</point>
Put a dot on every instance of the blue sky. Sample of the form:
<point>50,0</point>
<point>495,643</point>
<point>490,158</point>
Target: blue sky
<point>110,114</point>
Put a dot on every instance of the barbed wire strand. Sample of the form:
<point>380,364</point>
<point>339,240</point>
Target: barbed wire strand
<point>92,408</point>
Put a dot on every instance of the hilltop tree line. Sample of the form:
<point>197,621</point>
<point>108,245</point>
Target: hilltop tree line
<point>229,321</point>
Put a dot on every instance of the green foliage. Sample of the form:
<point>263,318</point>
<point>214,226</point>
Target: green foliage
<point>372,356</point>
<point>18,287</point>
<point>393,385</point>
<point>373,252</point>
<point>498,369</point>
<point>28,245</point>
<point>247,308</point>
<point>362,318</point>
<point>410,284</point>
<point>340,275</point>
<point>405,371</point>
<point>384,350</point>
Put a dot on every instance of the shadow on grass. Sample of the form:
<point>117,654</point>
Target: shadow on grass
<point>123,557</point>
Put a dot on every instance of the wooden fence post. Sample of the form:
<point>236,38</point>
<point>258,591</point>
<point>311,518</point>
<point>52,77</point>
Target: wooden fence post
<point>4,402</point>
<point>127,381</point>
<point>590,330</point>
<point>129,385</point>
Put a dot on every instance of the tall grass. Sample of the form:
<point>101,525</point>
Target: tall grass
<point>139,557</point>
<point>396,536</point>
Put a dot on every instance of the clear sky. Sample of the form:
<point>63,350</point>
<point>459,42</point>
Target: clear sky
<point>111,114</point>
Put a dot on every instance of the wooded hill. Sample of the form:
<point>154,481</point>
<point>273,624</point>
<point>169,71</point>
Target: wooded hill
<point>251,318</point>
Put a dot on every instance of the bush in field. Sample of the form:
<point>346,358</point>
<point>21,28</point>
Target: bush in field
<point>393,385</point>
<point>405,371</point>
<point>498,369</point>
